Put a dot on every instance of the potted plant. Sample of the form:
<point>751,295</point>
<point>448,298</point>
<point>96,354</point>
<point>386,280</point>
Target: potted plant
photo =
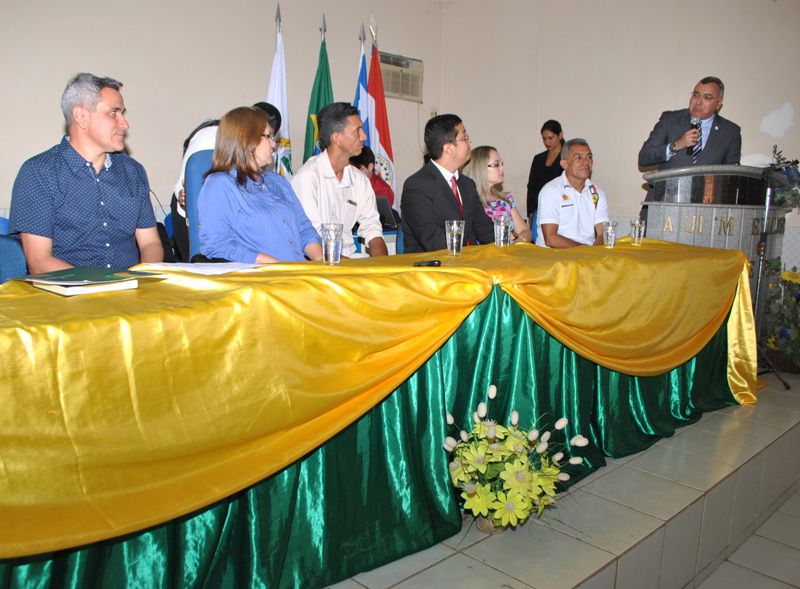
<point>506,473</point>
<point>783,318</point>
<point>787,191</point>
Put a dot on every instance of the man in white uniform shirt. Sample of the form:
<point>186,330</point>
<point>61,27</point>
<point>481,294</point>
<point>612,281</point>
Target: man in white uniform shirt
<point>572,209</point>
<point>333,191</point>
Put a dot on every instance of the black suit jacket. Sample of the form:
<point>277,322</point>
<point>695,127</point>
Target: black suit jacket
<point>427,202</point>
<point>723,146</point>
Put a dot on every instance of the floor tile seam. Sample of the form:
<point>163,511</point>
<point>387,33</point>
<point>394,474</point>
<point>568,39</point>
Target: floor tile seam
<point>778,434</point>
<point>761,518</point>
<point>685,483</point>
<point>737,465</point>
<point>494,568</point>
<point>762,573</point>
<point>661,553</point>
<point>730,549</point>
<point>459,550</point>
<point>755,419</point>
<point>695,455</point>
<point>585,540</point>
<point>614,558</point>
<point>422,570</point>
<point>746,421</point>
<point>787,395</point>
<point>779,406</point>
<point>761,535</point>
<point>604,498</point>
<point>658,517</point>
<point>580,484</point>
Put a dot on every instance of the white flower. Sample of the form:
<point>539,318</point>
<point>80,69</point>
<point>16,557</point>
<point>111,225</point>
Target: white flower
<point>558,456</point>
<point>475,417</point>
<point>491,432</point>
<point>469,488</point>
<point>450,443</point>
<point>576,460</point>
<point>562,476</point>
<point>450,420</point>
<point>454,465</point>
<point>518,448</point>
<point>492,391</point>
<point>532,435</point>
<point>579,441</point>
<point>514,418</point>
<point>561,423</point>
<point>541,448</point>
<point>545,437</point>
<point>481,409</point>
<point>464,436</point>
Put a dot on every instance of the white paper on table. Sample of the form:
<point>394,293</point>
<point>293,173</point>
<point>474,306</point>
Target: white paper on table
<point>208,269</point>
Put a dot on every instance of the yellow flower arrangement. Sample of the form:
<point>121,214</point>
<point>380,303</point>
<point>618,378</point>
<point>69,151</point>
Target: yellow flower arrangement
<point>506,473</point>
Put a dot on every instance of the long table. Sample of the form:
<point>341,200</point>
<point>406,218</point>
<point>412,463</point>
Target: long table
<point>284,427</point>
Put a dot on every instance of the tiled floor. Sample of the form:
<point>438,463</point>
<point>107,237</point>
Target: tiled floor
<point>697,509</point>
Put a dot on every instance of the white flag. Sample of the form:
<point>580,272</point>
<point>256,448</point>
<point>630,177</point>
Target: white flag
<point>277,96</point>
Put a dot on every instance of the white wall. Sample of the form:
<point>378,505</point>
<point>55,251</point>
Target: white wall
<point>183,61</point>
<point>605,69</point>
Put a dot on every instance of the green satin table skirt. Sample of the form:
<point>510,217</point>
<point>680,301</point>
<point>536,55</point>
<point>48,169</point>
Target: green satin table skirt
<point>380,490</point>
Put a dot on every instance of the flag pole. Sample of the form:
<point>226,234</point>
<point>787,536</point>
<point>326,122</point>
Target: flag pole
<point>373,28</point>
<point>323,27</point>
<point>277,95</point>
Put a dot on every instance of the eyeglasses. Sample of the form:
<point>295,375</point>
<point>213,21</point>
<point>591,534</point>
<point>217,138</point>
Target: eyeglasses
<point>269,136</point>
<point>465,138</point>
<point>497,164</point>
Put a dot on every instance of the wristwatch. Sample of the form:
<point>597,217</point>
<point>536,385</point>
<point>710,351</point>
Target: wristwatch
<point>672,149</point>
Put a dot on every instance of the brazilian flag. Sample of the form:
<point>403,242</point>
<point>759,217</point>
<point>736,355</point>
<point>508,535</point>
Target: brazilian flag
<point>321,95</point>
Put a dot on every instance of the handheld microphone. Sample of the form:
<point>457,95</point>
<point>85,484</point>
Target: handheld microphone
<point>694,123</point>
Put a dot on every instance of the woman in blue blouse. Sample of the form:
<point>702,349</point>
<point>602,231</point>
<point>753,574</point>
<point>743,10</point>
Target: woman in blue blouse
<point>247,215</point>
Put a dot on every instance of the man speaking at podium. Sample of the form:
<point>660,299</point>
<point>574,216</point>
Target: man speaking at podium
<point>694,136</point>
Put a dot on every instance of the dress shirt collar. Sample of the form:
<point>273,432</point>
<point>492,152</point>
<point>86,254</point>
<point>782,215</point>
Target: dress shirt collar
<point>327,171</point>
<point>76,160</point>
<point>446,173</point>
<point>565,182</point>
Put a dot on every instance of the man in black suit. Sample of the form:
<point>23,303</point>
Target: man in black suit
<point>671,140</point>
<point>437,192</point>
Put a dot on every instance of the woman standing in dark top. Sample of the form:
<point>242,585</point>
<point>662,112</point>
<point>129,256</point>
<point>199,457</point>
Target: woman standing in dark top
<point>546,165</point>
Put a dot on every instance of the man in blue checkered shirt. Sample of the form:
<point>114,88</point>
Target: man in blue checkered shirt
<point>84,202</point>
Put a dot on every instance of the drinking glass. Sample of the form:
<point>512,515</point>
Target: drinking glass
<point>502,231</point>
<point>454,230</point>
<point>609,233</point>
<point>331,234</point>
<point>637,232</point>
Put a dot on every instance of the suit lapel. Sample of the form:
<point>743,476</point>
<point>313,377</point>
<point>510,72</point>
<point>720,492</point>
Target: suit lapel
<point>713,139</point>
<point>445,191</point>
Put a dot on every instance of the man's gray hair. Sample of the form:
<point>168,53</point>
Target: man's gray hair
<point>84,90</point>
<point>570,143</point>
<point>714,80</point>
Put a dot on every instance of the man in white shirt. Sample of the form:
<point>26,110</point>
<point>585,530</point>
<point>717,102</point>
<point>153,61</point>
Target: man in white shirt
<point>333,191</point>
<point>572,209</point>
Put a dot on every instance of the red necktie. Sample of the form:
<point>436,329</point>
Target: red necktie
<point>454,186</point>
